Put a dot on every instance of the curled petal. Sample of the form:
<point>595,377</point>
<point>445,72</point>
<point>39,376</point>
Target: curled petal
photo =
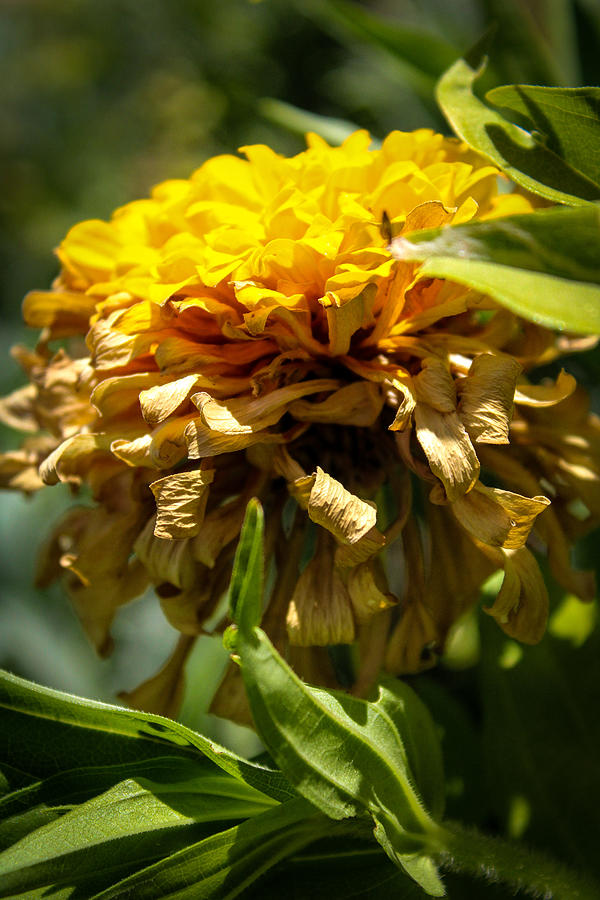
<point>320,611</point>
<point>159,402</point>
<point>203,441</point>
<point>73,457</point>
<point>448,449</point>
<point>64,312</point>
<point>406,407</point>
<point>540,395</point>
<point>367,587</point>
<point>344,318</point>
<point>411,642</point>
<point>345,516</point>
<point>181,502</point>
<point>521,607</point>
<point>434,385</point>
<point>165,559</point>
<point>357,404</point>
<point>247,415</point>
<point>18,411</point>
<point>486,398</point>
<point>498,518</point>
<point>221,526</point>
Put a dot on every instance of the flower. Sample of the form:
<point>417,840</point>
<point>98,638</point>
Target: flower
<point>249,331</point>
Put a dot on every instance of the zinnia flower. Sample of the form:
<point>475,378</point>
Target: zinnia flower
<point>249,332</point>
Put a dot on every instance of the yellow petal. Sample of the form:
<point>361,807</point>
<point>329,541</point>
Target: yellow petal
<point>72,457</point>
<point>411,642</point>
<point>320,611</point>
<point>406,391</point>
<point>434,385</point>
<point>546,394</point>
<point>203,441</point>
<point>181,502</point>
<point>17,409</point>
<point>166,560</point>
<point>498,518</point>
<point>486,398</point>
<point>65,312</point>
<point>159,402</point>
<point>521,607</point>
<point>367,587</point>
<point>346,318</point>
<point>245,415</point>
<point>221,526</point>
<point>345,516</point>
<point>357,404</point>
<point>188,610</point>
<point>448,449</point>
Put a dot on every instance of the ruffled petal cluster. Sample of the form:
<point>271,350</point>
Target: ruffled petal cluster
<point>250,332</point>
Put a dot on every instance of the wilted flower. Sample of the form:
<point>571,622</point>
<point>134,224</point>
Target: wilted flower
<point>250,332</point>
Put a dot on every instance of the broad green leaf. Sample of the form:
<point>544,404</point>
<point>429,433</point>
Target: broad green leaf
<point>50,731</point>
<point>223,865</point>
<point>568,119</point>
<point>326,741</point>
<point>21,824</point>
<point>196,785</point>
<point>124,827</point>
<point>543,265</point>
<point>300,121</point>
<point>78,785</point>
<point>418,732</point>
<point>516,151</point>
<point>341,753</point>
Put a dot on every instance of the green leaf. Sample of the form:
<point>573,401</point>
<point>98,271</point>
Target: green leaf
<point>49,732</point>
<point>420,737</point>
<point>246,587</point>
<point>126,826</point>
<point>123,827</point>
<point>516,151</point>
<point>568,118</point>
<point>543,265</point>
<point>341,753</point>
<point>330,869</point>
<point>223,865</point>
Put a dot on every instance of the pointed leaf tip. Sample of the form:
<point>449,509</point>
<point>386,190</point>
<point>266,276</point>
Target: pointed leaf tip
<point>246,588</point>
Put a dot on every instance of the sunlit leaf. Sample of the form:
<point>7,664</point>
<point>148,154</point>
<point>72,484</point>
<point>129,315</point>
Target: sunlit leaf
<point>326,742</point>
<point>421,740</point>
<point>543,266</point>
<point>567,118</point>
<point>49,732</point>
<point>519,153</point>
<point>225,864</point>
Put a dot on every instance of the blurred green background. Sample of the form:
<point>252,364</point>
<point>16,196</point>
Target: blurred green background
<point>101,100</point>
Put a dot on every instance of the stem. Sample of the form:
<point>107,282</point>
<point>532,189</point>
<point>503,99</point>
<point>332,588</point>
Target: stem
<point>526,870</point>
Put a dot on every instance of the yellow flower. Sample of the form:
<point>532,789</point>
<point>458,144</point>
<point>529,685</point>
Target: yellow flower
<point>249,332</point>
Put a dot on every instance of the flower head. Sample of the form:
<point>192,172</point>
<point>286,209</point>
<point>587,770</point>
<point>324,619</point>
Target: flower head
<point>249,332</point>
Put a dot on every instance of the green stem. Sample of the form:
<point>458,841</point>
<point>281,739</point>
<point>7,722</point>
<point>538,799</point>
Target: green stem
<point>526,870</point>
